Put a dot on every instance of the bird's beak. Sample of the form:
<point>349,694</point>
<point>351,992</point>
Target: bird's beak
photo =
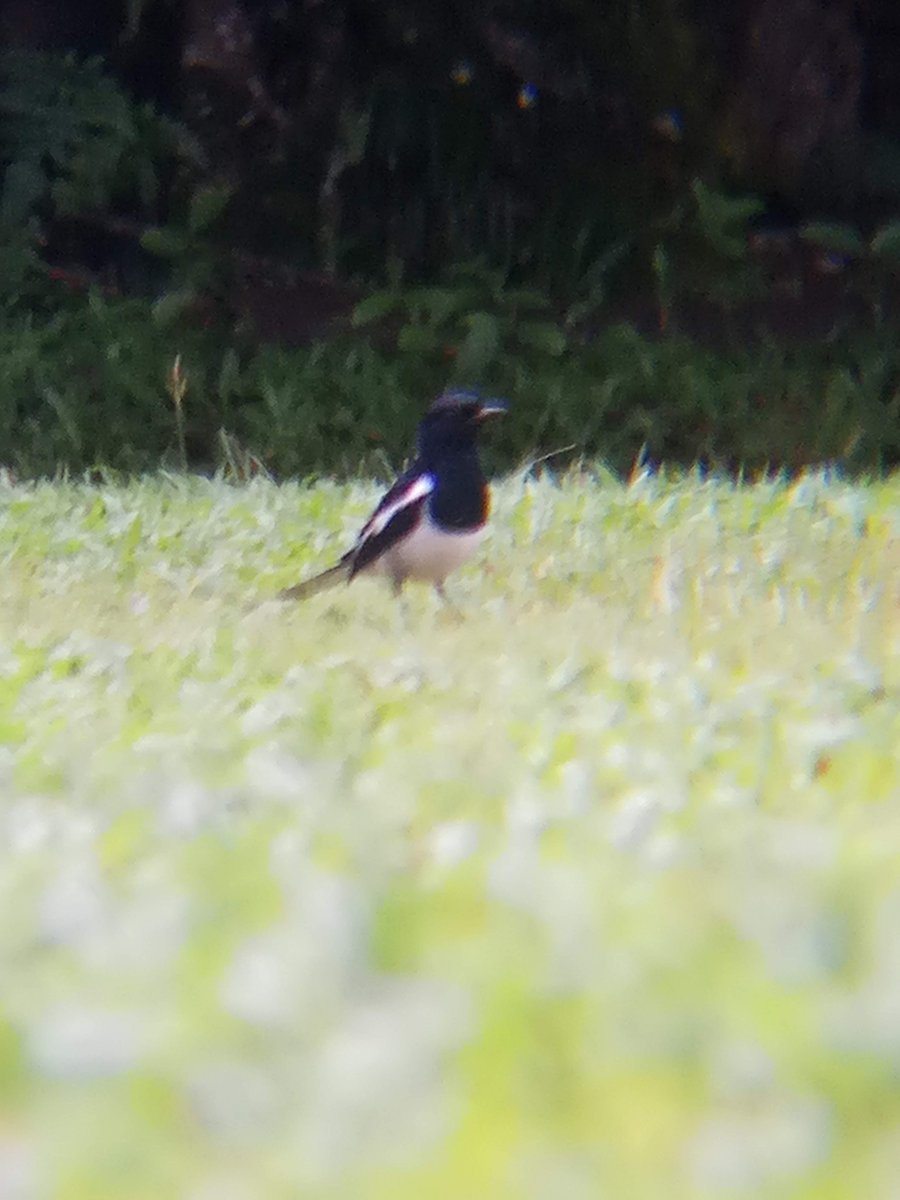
<point>491,408</point>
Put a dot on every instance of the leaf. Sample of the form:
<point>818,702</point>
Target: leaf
<point>229,376</point>
<point>475,271</point>
<point>417,339</point>
<point>723,219</point>
<point>661,264</point>
<point>886,241</point>
<point>23,185</point>
<point>719,209</point>
<point>96,517</point>
<point>172,306</point>
<point>375,307</point>
<point>542,336</point>
<point>595,273</point>
<point>354,134</point>
<point>131,538</point>
<point>479,346</point>
<point>207,206</point>
<point>529,298</point>
<point>147,179</point>
<point>843,239</point>
<point>164,243</point>
<point>441,303</point>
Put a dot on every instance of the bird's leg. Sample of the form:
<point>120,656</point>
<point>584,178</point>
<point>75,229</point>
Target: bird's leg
<point>448,604</point>
<point>402,608</point>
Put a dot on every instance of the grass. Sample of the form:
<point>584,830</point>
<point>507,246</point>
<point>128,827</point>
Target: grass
<point>591,893</point>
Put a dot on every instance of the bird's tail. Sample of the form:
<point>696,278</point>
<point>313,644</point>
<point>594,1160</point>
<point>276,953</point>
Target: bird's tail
<point>318,583</point>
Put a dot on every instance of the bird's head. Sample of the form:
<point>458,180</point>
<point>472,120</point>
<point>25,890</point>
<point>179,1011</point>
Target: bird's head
<point>453,420</point>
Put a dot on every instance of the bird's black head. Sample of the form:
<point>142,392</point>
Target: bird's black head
<point>453,420</point>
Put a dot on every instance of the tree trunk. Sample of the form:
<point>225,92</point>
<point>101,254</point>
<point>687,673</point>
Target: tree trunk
<point>796,115</point>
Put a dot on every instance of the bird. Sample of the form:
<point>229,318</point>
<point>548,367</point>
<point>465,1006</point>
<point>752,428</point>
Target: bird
<point>432,518</point>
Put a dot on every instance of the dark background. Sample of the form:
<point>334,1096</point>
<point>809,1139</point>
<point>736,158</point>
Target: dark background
<point>724,173</point>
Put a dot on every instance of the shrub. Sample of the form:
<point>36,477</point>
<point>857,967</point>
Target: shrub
<point>91,385</point>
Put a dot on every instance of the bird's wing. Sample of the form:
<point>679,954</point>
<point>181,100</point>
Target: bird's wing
<point>397,515</point>
<point>395,494</point>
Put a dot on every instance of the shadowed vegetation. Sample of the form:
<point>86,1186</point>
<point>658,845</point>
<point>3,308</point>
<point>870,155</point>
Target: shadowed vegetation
<point>486,193</point>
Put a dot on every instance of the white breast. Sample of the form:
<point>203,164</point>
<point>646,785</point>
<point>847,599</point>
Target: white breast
<point>430,553</point>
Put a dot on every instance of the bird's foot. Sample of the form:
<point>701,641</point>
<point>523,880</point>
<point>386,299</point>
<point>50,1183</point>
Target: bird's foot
<point>449,606</point>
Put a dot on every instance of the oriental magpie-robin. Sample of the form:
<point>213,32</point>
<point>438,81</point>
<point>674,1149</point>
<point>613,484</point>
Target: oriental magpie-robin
<point>432,519</point>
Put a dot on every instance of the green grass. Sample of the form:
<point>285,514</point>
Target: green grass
<point>591,893</point>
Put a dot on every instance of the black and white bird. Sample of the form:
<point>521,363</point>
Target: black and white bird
<point>432,519</point>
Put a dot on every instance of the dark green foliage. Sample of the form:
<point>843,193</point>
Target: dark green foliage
<point>701,248</point>
<point>73,144</point>
<point>519,181</point>
<point>91,386</point>
<point>472,321</point>
<point>199,270</point>
<point>834,236</point>
<point>870,265</point>
<point>66,127</point>
<point>85,387</point>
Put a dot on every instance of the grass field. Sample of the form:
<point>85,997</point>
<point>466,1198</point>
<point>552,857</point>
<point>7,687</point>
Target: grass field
<point>593,892</point>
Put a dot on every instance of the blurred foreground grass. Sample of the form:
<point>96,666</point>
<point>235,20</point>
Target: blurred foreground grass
<point>593,893</point>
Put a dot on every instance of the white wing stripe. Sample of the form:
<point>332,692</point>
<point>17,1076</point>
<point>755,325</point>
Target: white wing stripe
<point>418,490</point>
